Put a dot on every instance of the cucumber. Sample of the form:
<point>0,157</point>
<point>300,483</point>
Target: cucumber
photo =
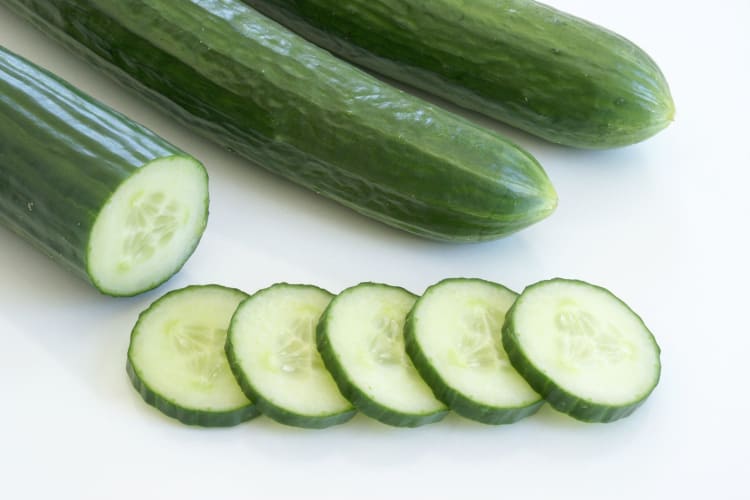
<point>521,62</point>
<point>361,341</point>
<point>101,195</point>
<point>453,336</point>
<point>582,348</point>
<point>271,350</point>
<point>176,357</point>
<point>250,85</point>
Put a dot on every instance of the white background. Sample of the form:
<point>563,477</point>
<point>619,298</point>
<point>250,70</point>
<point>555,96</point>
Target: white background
<point>663,224</point>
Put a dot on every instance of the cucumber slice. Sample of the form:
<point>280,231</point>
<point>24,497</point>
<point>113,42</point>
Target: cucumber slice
<point>176,357</point>
<point>453,336</point>
<point>582,348</point>
<point>361,341</point>
<point>271,350</point>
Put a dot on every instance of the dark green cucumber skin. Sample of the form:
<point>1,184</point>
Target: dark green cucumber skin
<point>62,155</point>
<point>455,400</point>
<point>352,392</point>
<point>555,395</point>
<point>250,85</point>
<point>264,404</point>
<point>188,416</point>
<point>521,62</point>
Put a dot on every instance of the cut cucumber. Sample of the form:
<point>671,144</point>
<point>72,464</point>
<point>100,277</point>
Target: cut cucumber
<point>361,341</point>
<point>582,348</point>
<point>453,335</point>
<point>176,357</point>
<point>148,227</point>
<point>271,350</point>
<point>98,193</point>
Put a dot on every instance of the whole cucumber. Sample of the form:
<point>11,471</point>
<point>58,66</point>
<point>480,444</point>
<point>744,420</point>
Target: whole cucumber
<point>549,73</point>
<point>239,78</point>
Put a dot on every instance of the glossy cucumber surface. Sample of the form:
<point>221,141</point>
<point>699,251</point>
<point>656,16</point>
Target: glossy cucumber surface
<point>241,79</point>
<point>530,65</point>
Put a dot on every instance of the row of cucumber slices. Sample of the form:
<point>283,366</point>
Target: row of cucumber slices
<point>214,356</point>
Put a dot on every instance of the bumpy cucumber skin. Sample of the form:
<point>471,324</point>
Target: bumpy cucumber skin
<point>556,396</point>
<point>265,405</point>
<point>188,416</point>
<point>359,398</point>
<point>521,62</point>
<point>250,85</point>
<point>62,155</point>
<point>455,400</point>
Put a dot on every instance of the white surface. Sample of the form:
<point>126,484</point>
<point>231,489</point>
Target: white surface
<point>663,224</point>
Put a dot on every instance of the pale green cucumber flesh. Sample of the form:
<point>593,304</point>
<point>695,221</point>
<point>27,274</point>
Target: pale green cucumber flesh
<point>271,351</point>
<point>361,341</point>
<point>453,336</point>
<point>149,226</point>
<point>582,348</point>
<point>176,357</point>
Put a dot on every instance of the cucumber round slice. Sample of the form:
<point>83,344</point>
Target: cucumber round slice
<point>361,341</point>
<point>271,350</point>
<point>149,226</point>
<point>582,348</point>
<point>176,357</point>
<point>453,335</point>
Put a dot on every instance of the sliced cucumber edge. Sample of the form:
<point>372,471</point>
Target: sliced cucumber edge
<point>188,416</point>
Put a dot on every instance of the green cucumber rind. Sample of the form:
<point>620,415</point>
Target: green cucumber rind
<point>455,400</point>
<point>555,395</point>
<point>356,396</point>
<point>189,416</point>
<point>265,405</point>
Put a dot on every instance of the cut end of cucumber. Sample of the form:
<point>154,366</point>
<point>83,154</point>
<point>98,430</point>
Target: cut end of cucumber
<point>149,227</point>
<point>586,351</point>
